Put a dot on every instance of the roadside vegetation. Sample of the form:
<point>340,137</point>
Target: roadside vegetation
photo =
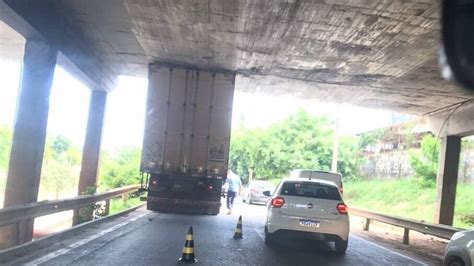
<point>62,164</point>
<point>299,141</point>
<point>407,198</point>
<point>118,205</point>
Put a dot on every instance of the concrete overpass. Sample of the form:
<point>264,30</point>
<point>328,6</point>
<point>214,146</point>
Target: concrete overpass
<point>372,53</point>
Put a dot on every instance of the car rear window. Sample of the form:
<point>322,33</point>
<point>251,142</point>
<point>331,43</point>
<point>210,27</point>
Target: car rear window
<point>310,190</point>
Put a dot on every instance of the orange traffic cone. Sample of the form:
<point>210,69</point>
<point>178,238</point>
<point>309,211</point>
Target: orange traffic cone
<point>188,250</point>
<point>238,229</point>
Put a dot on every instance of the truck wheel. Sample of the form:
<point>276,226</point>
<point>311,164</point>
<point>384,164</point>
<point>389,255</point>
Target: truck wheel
<point>341,246</point>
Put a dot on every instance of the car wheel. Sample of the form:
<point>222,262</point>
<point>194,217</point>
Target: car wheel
<point>249,200</point>
<point>454,261</point>
<point>269,237</point>
<point>341,246</point>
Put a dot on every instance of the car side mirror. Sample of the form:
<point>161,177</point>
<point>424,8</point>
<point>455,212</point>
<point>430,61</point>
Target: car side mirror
<point>457,57</point>
<point>267,193</point>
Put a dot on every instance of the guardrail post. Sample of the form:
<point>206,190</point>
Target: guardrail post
<point>125,198</point>
<point>107,207</point>
<point>366,224</point>
<point>406,239</point>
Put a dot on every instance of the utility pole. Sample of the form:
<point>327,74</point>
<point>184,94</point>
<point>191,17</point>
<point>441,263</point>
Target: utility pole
<point>335,142</point>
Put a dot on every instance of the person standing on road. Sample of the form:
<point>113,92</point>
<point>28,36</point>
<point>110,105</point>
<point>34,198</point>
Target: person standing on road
<point>235,186</point>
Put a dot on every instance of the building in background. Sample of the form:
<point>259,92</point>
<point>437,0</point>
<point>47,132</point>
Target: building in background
<point>387,151</point>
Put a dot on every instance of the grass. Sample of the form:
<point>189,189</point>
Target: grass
<point>406,198</point>
<point>118,205</point>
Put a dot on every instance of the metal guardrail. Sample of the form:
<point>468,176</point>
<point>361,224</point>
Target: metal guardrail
<point>439,230</point>
<point>18,213</point>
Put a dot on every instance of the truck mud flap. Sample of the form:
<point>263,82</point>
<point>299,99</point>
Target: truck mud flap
<point>182,206</point>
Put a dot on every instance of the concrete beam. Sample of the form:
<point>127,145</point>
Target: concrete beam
<point>447,179</point>
<point>44,19</point>
<point>16,22</point>
<point>455,121</point>
<point>29,136</point>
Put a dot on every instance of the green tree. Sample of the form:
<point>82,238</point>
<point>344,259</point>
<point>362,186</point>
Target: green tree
<point>5,146</point>
<point>61,164</point>
<point>120,168</point>
<point>425,161</point>
<point>299,141</point>
<point>349,158</point>
<point>60,145</point>
<point>58,177</point>
<point>370,138</point>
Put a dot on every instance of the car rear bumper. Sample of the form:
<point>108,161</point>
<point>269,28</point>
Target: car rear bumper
<point>283,233</point>
<point>333,227</point>
<point>258,198</point>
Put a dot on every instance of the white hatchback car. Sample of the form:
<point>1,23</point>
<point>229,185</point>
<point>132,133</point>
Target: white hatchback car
<point>460,250</point>
<point>308,207</point>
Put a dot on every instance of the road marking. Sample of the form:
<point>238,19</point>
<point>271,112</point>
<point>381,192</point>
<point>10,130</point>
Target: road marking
<point>389,250</point>
<point>75,245</point>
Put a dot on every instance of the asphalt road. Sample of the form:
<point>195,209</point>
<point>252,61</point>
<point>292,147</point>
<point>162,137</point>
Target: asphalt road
<point>151,238</point>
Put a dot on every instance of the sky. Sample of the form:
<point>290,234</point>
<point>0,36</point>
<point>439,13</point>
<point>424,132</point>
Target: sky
<point>258,110</point>
<point>69,107</point>
<point>124,119</point>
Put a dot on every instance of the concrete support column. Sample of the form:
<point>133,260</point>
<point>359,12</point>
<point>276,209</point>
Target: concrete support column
<point>29,136</point>
<point>447,179</point>
<point>91,151</point>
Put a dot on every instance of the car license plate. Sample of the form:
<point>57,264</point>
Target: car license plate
<point>309,223</point>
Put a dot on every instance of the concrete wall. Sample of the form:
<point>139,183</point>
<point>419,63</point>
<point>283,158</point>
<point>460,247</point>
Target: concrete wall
<point>387,165</point>
<point>396,165</point>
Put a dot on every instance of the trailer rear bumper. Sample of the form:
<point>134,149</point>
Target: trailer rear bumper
<point>182,205</point>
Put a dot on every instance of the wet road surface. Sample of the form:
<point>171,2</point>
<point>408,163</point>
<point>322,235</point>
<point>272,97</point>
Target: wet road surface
<point>151,238</point>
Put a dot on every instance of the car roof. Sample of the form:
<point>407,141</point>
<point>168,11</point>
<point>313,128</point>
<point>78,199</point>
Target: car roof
<point>313,180</point>
<point>256,182</point>
<point>317,171</point>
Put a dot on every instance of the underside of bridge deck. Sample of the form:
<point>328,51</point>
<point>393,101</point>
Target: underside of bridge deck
<point>373,53</point>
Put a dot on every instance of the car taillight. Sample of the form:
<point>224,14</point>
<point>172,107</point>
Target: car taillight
<point>253,190</point>
<point>278,202</point>
<point>342,208</point>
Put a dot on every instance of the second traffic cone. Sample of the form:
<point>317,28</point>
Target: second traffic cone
<point>188,250</point>
<point>238,229</point>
